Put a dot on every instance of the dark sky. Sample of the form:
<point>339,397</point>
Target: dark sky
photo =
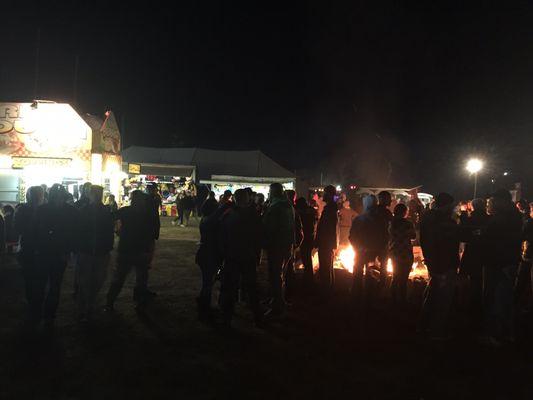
<point>388,93</point>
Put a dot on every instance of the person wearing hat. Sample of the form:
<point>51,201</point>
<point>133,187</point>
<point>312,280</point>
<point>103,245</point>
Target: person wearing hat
<point>439,239</point>
<point>502,239</point>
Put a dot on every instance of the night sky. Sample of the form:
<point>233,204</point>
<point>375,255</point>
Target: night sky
<point>377,95</point>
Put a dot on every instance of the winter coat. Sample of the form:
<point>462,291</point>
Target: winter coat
<point>240,234</point>
<point>402,232</point>
<point>278,224</point>
<point>96,230</point>
<point>309,217</point>
<point>439,238</point>
<point>366,233</point>
<point>326,233</point>
<point>57,229</point>
<point>502,238</point>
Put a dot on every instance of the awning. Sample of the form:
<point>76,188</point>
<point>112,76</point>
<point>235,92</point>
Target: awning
<point>162,170</point>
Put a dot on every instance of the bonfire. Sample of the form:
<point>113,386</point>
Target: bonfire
<point>345,259</point>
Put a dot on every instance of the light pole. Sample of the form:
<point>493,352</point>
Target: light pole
<point>474,165</point>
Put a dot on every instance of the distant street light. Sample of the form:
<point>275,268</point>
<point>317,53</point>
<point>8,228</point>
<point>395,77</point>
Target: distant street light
<point>474,165</point>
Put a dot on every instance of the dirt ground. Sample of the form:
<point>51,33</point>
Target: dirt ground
<point>319,351</point>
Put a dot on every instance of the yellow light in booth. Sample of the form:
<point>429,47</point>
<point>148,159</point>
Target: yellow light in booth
<point>96,168</point>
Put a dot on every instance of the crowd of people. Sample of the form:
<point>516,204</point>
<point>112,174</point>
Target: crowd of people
<point>240,229</point>
<point>483,247</point>
<point>55,231</point>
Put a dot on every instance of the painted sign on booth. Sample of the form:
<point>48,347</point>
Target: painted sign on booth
<point>43,130</point>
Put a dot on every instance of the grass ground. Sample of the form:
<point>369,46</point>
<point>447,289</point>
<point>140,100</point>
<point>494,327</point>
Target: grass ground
<point>319,351</point>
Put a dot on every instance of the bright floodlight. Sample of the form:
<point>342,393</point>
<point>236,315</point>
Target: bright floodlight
<point>474,165</point>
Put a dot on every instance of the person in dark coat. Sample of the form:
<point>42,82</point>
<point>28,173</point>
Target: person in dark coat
<point>80,203</point>
<point>209,256</point>
<point>25,227</point>
<point>278,239</point>
<point>2,235</point>
<point>326,239</point>
<point>439,239</point>
<point>136,236</point>
<point>402,232</point>
<point>309,217</point>
<point>472,259</point>
<point>56,231</point>
<point>95,242</point>
<point>210,205</point>
<point>240,242</point>
<point>502,239</point>
<point>366,238</point>
<point>385,219</point>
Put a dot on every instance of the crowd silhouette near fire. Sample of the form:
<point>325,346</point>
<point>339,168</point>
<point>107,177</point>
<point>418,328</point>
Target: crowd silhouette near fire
<point>482,247</point>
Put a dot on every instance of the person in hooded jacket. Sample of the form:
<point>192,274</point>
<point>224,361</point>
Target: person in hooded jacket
<point>502,239</point>
<point>366,238</point>
<point>240,240</point>
<point>25,227</point>
<point>278,239</point>
<point>95,242</point>
<point>326,239</point>
<point>56,231</point>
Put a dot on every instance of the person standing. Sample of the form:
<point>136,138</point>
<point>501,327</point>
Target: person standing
<point>56,231</point>
<point>502,239</point>
<point>326,239</point>
<point>188,207</point>
<point>240,241</point>
<point>80,203</point>
<point>136,236</point>
<point>209,255</point>
<point>439,239</point>
<point>366,239</point>
<point>95,242</point>
<point>472,259</point>
<point>154,203</point>
<point>384,221</point>
<point>346,217</point>
<point>278,239</point>
<point>309,217</point>
<point>209,205</point>
<point>25,221</point>
<point>402,232</point>
<point>111,203</point>
<point>298,237</point>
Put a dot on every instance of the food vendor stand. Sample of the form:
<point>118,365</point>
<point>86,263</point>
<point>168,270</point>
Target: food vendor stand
<point>46,142</point>
<point>220,170</point>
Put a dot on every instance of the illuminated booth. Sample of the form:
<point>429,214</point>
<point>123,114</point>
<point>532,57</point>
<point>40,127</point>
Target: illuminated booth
<point>220,170</point>
<point>46,142</point>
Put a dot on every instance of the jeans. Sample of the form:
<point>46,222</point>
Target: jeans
<point>438,298</point>
<point>235,273</point>
<point>277,258</point>
<point>498,300</point>
<point>125,262</point>
<point>92,271</point>
<point>325,268</point>
<point>39,273</point>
